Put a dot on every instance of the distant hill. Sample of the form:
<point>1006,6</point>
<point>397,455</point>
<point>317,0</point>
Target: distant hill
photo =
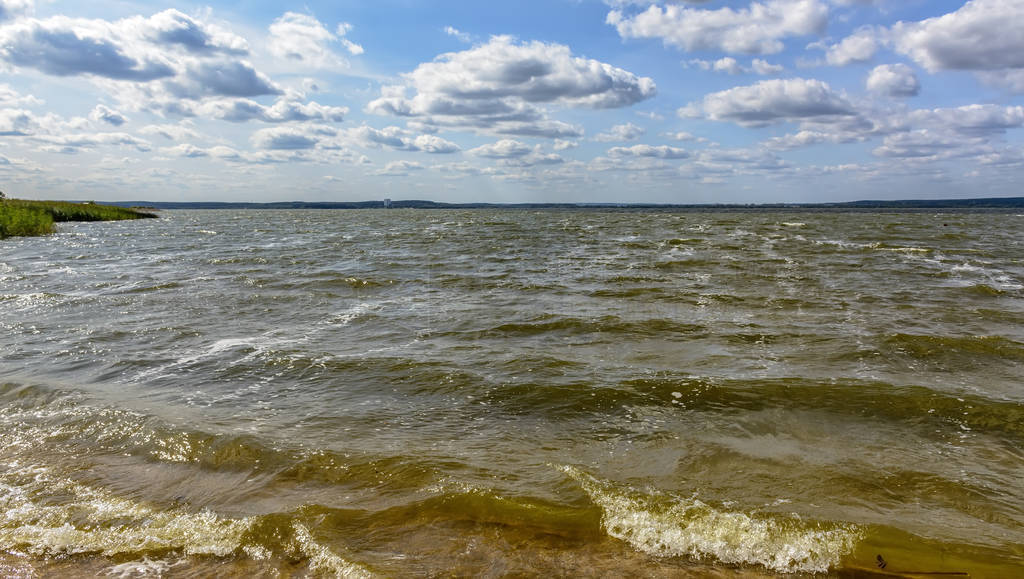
<point>982,203</point>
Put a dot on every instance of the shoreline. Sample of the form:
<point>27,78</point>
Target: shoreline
<point>975,204</point>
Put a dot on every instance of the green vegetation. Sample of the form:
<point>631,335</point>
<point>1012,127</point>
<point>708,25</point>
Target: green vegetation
<point>21,217</point>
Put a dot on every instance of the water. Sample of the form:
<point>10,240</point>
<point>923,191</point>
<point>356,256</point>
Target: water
<point>503,392</point>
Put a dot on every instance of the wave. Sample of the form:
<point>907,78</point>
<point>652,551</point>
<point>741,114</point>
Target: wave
<point>666,525</point>
<point>612,326</point>
<point>959,349</point>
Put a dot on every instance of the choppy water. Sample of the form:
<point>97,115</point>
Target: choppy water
<point>600,393</point>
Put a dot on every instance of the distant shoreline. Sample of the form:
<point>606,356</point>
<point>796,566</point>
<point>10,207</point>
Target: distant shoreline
<point>992,203</point>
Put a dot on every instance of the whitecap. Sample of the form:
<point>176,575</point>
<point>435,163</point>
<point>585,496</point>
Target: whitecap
<point>665,525</point>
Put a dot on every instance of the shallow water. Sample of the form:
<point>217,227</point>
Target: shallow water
<point>505,392</point>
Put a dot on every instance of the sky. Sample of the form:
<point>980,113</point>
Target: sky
<point>654,101</point>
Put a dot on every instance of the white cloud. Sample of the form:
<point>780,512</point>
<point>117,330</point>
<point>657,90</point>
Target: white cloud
<point>896,80</point>
<point>736,161</point>
<point>772,101</point>
<point>434,145</point>
<point>765,68</point>
<point>185,150</point>
<point>624,132</point>
<point>221,78</point>
<point>1011,80</point>
<point>503,149</point>
<point>17,123</point>
<point>12,98</point>
<point>922,144</point>
<point>291,138</point>
<point>981,35</point>
<point>533,159</point>
<point>500,86</point>
<point>172,27</point>
<point>730,65</point>
<point>458,34</point>
<point>564,145</point>
<point>74,143</point>
<point>168,63</point>
<point>178,132</point>
<point>861,46</point>
<point>64,46</point>
<point>303,41</point>
<point>399,169</point>
<point>284,110</point>
<point>399,139</point>
<point>680,136</point>
<point>659,152</point>
<point>727,65</point>
<point>106,115</point>
<point>352,48</point>
<point>758,29</point>
<point>11,9</point>
<point>970,120</point>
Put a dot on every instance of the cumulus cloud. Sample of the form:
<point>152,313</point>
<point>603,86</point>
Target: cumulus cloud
<point>923,134</point>
<point>659,152</point>
<point>169,63</point>
<point>74,143</point>
<point>133,49</point>
<point>680,136</point>
<point>503,149</point>
<point>500,87</point>
<point>980,35</point>
<point>458,34</point>
<point>12,98</point>
<point>352,48</point>
<point>434,145</point>
<point>222,78</point>
<point>172,27</point>
<point>1011,80</point>
<point>730,66</point>
<point>624,132</point>
<point>106,115</point>
<point>285,110</point>
<point>399,169</point>
<point>772,101</point>
<point>920,144</point>
<point>400,139</point>
<point>970,120</point>
<point>17,123</point>
<point>64,46</point>
<point>763,67</point>
<point>11,9</point>
<point>178,132</point>
<point>185,150</point>
<point>302,40</point>
<point>861,46</point>
<point>291,138</point>
<point>564,145</point>
<point>729,161</point>
<point>759,29</point>
<point>896,80</point>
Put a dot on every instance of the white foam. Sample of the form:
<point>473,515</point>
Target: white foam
<point>324,560</point>
<point>143,568</point>
<point>94,521</point>
<point>670,526</point>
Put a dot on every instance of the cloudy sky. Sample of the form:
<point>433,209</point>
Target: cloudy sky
<point>685,101</point>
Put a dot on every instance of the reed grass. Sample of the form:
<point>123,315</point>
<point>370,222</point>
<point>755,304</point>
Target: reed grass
<point>22,217</point>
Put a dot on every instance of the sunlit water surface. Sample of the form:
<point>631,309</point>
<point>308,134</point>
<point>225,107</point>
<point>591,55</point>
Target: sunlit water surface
<point>505,392</point>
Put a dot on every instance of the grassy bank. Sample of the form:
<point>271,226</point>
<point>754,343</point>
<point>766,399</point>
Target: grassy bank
<point>21,217</point>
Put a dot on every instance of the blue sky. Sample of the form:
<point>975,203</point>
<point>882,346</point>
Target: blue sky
<point>559,100</point>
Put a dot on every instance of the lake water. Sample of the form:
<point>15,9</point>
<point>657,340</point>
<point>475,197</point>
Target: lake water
<point>512,392</point>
